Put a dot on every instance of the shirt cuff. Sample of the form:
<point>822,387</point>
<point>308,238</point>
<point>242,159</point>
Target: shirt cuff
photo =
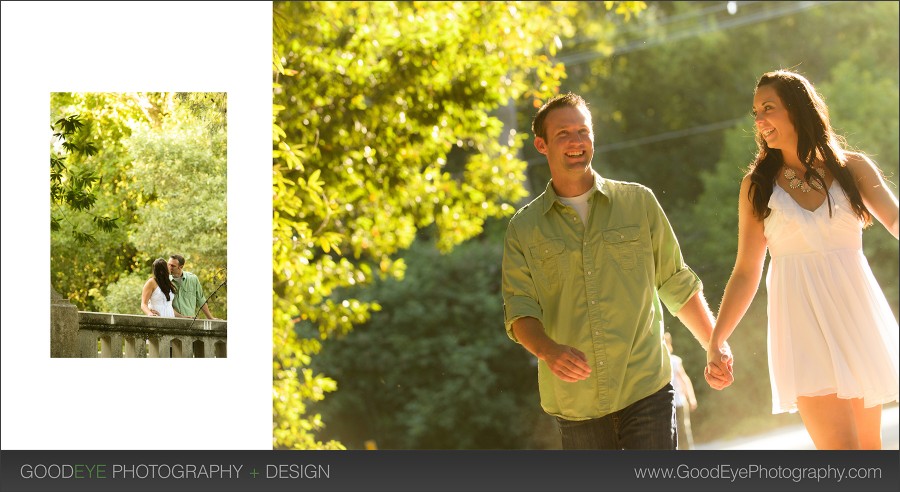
<point>678,289</point>
<point>516,307</point>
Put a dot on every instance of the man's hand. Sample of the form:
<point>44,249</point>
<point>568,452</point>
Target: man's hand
<point>719,371</point>
<point>207,312</point>
<point>568,363</point>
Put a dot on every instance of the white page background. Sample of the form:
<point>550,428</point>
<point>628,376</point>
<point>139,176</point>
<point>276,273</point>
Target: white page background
<point>135,403</point>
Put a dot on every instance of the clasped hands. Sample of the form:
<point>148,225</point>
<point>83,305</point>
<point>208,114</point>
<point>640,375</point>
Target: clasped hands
<point>570,364</point>
<point>719,370</point>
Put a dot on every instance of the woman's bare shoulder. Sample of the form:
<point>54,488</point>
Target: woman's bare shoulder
<point>856,161</point>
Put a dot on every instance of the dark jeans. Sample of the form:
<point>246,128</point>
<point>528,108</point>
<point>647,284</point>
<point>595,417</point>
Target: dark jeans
<point>645,424</point>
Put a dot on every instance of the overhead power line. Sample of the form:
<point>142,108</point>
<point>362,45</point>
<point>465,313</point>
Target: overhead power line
<point>622,27</point>
<point>728,23</point>
<point>660,137</point>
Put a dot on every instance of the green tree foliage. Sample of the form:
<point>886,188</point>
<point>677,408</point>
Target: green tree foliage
<point>385,122</point>
<point>863,105</point>
<point>120,295</point>
<point>182,164</point>
<point>433,368</point>
<point>159,162</point>
<point>72,190</point>
<point>671,111</point>
<point>712,236</point>
<point>864,102</point>
<point>684,73</point>
<point>361,153</point>
<point>78,272</point>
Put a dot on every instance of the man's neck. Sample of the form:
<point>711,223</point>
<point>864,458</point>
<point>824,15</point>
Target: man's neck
<point>568,188</point>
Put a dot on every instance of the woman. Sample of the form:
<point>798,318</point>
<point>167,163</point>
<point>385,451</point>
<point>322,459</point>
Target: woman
<point>832,336</point>
<point>158,293</point>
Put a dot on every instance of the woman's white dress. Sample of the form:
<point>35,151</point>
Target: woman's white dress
<point>831,330</point>
<point>160,304</point>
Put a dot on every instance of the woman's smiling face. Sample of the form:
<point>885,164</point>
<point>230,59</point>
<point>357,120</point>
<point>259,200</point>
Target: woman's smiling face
<point>773,122</point>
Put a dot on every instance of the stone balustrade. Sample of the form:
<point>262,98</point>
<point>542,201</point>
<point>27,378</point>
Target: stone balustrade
<point>88,334</point>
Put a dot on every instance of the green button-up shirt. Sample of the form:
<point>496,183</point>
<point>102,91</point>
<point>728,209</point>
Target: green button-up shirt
<point>597,287</point>
<point>189,294</point>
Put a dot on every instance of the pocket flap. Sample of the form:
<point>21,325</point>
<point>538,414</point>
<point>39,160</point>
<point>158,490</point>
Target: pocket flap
<point>547,249</point>
<point>622,234</point>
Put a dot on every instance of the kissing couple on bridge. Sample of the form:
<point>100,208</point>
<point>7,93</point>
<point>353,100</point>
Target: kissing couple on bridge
<point>173,292</point>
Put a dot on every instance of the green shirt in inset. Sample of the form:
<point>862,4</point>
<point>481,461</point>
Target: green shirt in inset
<point>597,287</point>
<point>189,294</point>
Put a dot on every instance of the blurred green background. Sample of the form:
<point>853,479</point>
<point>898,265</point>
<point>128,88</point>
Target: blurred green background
<point>402,145</point>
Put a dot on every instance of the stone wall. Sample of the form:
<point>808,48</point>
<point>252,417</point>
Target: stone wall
<point>76,333</point>
<point>63,327</point>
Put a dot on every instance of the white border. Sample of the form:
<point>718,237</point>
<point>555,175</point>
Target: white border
<point>135,403</point>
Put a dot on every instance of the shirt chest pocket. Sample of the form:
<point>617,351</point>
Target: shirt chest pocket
<point>623,246</point>
<point>551,260</point>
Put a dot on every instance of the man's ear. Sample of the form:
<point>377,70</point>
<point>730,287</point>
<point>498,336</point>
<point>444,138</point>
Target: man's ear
<point>541,145</point>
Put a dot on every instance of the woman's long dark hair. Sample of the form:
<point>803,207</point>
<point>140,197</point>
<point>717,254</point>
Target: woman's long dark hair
<point>815,139</point>
<point>161,274</point>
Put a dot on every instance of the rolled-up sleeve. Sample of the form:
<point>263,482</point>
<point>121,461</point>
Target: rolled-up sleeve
<point>676,283</point>
<point>519,292</point>
<point>678,289</point>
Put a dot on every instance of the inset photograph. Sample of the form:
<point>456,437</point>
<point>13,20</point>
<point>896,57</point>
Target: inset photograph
<point>138,224</point>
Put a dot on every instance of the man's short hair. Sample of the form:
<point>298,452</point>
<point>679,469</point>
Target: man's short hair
<point>179,259</point>
<point>568,99</point>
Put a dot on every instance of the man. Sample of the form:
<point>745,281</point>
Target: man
<point>585,266</point>
<point>189,294</point>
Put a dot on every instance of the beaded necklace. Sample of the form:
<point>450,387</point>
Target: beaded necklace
<point>794,182</point>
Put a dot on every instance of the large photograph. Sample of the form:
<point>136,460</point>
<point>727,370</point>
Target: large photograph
<point>664,158</point>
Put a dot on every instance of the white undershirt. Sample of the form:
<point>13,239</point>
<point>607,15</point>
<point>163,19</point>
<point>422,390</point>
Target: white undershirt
<point>579,203</point>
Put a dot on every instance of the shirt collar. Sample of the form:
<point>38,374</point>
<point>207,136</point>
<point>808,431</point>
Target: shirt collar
<point>550,196</point>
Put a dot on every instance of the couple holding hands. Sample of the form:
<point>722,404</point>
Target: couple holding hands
<point>173,292</point>
<point>588,264</point>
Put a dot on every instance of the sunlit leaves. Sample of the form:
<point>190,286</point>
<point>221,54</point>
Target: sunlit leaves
<point>388,118</point>
<point>72,189</point>
<point>67,126</point>
<point>854,66</point>
<point>625,9</point>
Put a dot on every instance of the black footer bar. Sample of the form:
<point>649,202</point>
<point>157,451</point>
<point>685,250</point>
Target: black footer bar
<point>416,471</point>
